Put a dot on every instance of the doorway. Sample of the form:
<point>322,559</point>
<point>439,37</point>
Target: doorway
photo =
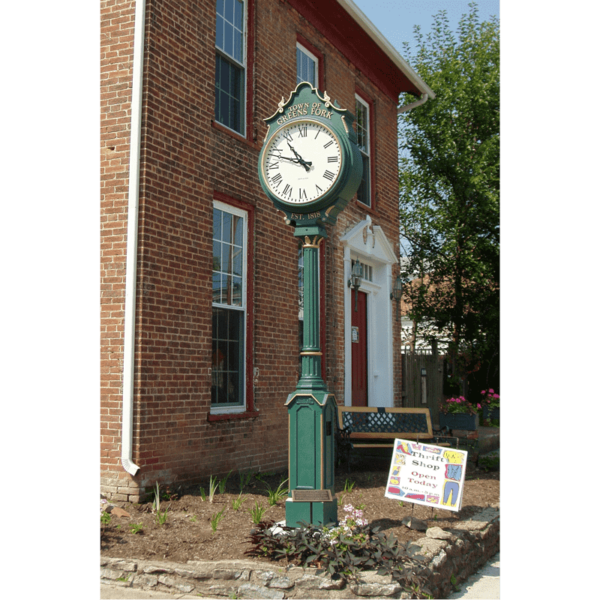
<point>360,378</point>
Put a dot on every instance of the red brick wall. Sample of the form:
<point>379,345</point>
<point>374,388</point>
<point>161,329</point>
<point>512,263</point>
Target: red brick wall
<point>186,160</point>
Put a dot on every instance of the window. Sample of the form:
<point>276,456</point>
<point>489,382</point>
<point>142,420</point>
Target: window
<point>230,227</point>
<point>364,144</point>
<point>307,66</point>
<point>230,68</point>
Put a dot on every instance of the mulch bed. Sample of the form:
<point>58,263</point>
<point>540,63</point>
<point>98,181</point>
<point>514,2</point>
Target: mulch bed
<point>187,533</point>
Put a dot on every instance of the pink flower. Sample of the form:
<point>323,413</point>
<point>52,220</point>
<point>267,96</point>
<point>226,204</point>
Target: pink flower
<point>483,392</point>
<point>479,406</point>
<point>491,391</point>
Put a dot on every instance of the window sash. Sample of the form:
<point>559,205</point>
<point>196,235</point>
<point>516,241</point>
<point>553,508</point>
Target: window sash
<point>364,143</point>
<point>229,323</point>
<point>230,65</point>
<point>307,66</point>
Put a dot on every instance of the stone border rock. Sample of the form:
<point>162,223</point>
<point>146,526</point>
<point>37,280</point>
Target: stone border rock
<point>458,552</point>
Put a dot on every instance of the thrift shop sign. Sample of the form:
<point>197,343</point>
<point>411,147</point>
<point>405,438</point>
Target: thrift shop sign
<point>428,475</point>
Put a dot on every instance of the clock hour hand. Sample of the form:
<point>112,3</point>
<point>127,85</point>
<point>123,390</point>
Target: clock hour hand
<point>305,164</point>
<point>297,161</point>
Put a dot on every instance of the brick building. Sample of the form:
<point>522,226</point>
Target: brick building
<point>200,275</point>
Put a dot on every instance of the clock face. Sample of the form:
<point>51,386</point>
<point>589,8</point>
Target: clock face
<point>302,162</point>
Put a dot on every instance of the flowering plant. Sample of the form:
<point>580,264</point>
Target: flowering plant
<point>349,526</point>
<point>490,399</point>
<point>458,405</point>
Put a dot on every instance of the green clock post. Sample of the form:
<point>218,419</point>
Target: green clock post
<point>310,167</point>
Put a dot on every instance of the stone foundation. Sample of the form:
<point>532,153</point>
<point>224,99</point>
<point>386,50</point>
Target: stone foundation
<point>457,552</point>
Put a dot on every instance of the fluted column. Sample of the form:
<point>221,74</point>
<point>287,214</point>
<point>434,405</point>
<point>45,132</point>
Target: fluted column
<point>310,378</point>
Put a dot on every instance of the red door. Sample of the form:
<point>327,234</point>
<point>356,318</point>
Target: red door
<point>359,350</point>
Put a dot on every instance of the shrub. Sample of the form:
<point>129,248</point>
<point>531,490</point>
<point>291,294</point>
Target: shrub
<point>341,551</point>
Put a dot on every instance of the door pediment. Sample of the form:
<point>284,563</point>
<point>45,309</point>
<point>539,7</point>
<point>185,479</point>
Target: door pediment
<point>369,241</point>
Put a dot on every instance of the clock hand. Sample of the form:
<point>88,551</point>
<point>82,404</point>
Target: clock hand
<point>305,164</point>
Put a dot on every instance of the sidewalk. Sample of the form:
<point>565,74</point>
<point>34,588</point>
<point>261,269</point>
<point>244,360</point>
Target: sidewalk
<point>483,585</point>
<point>113,592</point>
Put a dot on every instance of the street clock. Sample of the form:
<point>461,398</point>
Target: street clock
<point>310,165</point>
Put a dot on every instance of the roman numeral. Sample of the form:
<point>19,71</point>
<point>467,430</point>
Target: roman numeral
<point>277,180</point>
<point>273,165</point>
<point>328,175</point>
<point>318,132</point>
<point>287,135</point>
<point>303,130</point>
<point>319,190</point>
<point>287,191</point>
<point>332,159</point>
<point>328,144</point>
<point>302,194</point>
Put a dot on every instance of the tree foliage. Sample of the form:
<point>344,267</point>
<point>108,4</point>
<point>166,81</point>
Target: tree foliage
<point>450,185</point>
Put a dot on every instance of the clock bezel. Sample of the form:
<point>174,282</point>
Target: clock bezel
<point>329,196</point>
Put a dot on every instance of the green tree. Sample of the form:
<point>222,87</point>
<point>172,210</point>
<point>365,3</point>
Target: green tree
<point>450,189</point>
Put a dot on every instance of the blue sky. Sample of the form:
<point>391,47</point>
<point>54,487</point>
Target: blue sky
<point>395,19</point>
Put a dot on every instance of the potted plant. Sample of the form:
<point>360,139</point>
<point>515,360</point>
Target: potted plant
<point>490,406</point>
<point>458,413</point>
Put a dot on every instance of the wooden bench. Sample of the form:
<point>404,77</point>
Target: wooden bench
<point>377,427</point>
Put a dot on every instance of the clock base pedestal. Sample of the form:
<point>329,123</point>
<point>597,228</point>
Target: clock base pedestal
<point>315,513</point>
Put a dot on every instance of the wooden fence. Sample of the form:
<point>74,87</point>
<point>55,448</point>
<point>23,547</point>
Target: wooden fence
<point>423,381</point>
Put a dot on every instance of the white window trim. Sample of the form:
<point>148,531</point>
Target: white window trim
<point>243,65</point>
<point>234,210</point>
<point>310,55</point>
<point>368,152</point>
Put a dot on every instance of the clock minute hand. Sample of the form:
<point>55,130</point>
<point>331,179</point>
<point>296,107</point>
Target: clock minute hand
<point>305,164</point>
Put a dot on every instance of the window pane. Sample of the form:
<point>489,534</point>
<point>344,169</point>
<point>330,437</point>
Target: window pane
<point>217,288</point>
<point>228,39</point>
<point>219,41</point>
<point>238,231</point>
<point>217,258</point>
<point>229,10</point>
<point>236,299</point>
<point>227,219</point>
<point>237,46</point>
<point>237,262</point>
<point>220,9</point>
<point>298,66</point>
<point>226,257</point>
<point>239,15</point>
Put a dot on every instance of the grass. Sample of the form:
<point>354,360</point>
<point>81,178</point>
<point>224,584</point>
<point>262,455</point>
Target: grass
<point>216,519</point>
<point>257,512</point>
<point>156,503</point>
<point>236,503</point>
<point>212,488</point>
<point>223,483</point>
<point>135,527</point>
<point>161,516</point>
<point>244,480</point>
<point>276,495</point>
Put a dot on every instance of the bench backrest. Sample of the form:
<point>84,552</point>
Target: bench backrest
<point>376,422</point>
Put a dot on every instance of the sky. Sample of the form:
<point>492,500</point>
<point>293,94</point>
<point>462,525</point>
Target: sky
<point>396,19</point>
